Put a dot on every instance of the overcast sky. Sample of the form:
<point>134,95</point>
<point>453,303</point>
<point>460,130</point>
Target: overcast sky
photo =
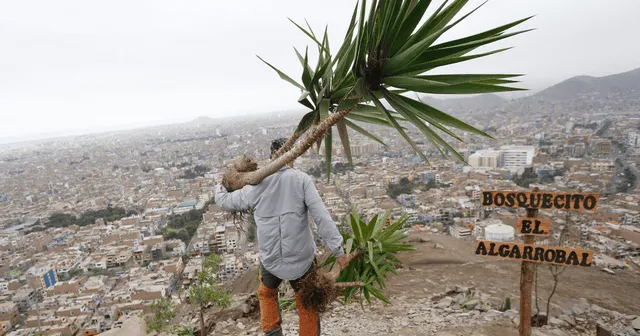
<point>69,66</point>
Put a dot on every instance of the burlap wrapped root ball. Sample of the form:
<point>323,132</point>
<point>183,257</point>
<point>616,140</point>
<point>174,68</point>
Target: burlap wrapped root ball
<point>232,177</point>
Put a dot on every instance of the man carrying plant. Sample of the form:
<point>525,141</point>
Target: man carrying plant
<point>282,203</point>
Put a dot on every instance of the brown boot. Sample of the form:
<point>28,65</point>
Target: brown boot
<point>309,322</point>
<point>269,310</point>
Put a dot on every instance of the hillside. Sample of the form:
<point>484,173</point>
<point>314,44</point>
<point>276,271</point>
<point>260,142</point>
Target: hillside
<point>443,271</point>
<point>612,93</point>
<point>586,85</point>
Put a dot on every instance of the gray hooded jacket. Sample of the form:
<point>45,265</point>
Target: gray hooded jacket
<point>281,204</point>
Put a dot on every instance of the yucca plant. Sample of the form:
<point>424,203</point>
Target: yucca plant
<point>371,248</point>
<point>390,53</point>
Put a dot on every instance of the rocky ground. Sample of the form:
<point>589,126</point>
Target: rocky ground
<point>445,290</point>
<point>460,311</point>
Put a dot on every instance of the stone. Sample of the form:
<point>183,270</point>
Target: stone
<point>636,323</point>
<point>225,331</point>
<point>438,246</point>
<point>246,309</point>
<point>460,289</point>
<point>444,302</point>
<point>254,329</point>
<point>240,326</point>
<point>556,322</point>
<point>577,310</point>
<point>460,299</point>
<point>471,304</point>
<point>608,270</point>
<point>569,319</point>
<point>485,297</point>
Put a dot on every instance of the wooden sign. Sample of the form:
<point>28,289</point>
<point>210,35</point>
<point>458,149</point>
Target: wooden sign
<point>540,200</point>
<point>535,253</point>
<point>533,226</point>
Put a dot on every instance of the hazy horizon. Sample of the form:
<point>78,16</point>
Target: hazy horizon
<point>74,67</point>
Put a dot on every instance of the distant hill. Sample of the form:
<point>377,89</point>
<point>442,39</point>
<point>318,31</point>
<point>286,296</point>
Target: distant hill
<point>581,85</point>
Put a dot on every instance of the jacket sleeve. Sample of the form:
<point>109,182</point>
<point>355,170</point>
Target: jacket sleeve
<point>326,227</point>
<point>238,200</point>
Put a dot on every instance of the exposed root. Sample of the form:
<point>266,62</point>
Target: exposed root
<point>232,178</point>
<point>317,291</point>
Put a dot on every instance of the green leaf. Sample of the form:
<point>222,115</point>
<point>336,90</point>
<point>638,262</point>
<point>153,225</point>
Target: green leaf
<point>442,61</point>
<point>465,78</point>
<point>397,126</point>
<point>311,36</point>
<point>465,88</point>
<point>344,139</point>
<point>348,245</point>
<point>363,132</point>
<point>306,74</point>
<point>320,72</point>
<point>483,35</point>
<point>397,63</point>
<point>379,223</point>
<point>282,74</point>
<point>306,121</point>
<point>438,51</point>
<point>303,61</point>
<point>306,103</point>
<point>369,228</point>
<point>410,83</point>
<point>426,130</point>
<point>442,117</point>
<point>355,228</point>
<point>378,294</point>
<point>409,24</point>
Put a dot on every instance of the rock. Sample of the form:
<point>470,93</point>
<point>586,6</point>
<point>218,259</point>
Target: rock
<point>460,299</point>
<point>438,246</point>
<point>225,331</point>
<point>424,240</point>
<point>444,303</point>
<point>461,289</point>
<point>471,304</point>
<point>245,308</point>
<point>577,310</point>
<point>568,319</point>
<point>240,326</point>
<point>254,330</point>
<point>636,323</point>
<point>608,270</point>
<point>485,297</point>
<point>555,322</point>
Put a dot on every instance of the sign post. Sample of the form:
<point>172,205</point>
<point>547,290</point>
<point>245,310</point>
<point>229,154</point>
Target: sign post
<point>527,271</point>
<point>530,227</point>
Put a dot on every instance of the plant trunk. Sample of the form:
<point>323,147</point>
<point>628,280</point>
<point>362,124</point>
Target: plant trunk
<point>290,142</point>
<point>316,133</point>
<point>553,291</point>
<point>336,272</point>
<point>203,328</point>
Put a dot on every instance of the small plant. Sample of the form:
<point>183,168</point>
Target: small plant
<point>507,304</point>
<point>208,290</point>
<point>371,249</point>
<point>163,314</point>
<point>185,331</point>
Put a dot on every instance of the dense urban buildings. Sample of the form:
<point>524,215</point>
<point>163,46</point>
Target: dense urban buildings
<point>100,226</point>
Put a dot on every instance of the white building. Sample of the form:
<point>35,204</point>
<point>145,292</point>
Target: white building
<point>517,157</point>
<point>485,159</point>
<point>459,231</point>
<point>633,139</point>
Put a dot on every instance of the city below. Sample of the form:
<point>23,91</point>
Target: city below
<point>97,227</point>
